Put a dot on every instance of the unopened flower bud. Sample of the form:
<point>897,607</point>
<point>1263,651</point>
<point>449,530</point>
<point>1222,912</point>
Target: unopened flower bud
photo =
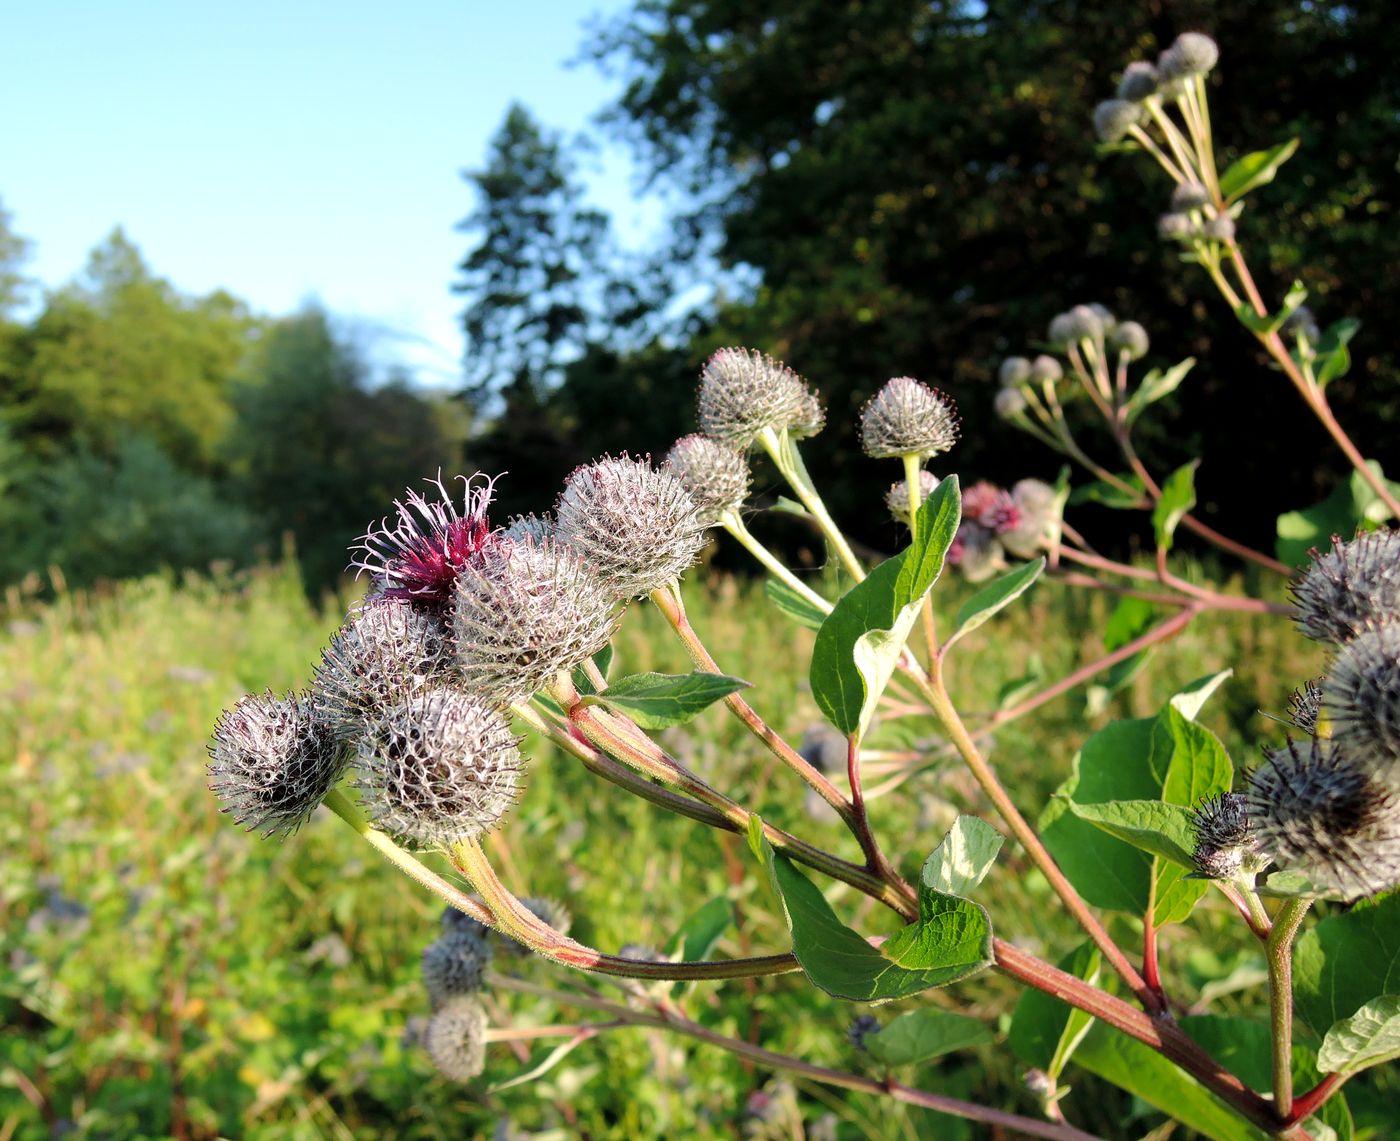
<point>455,1038</point>
<point>1193,53</point>
<point>743,393</point>
<point>1226,847</point>
<point>1113,118</point>
<point>456,922</point>
<point>897,498</point>
<point>1221,228</point>
<point>1351,588</point>
<point>1139,81</point>
<point>637,528</point>
<point>1130,339</point>
<point>454,963</point>
<point>907,418</point>
<point>1189,196</point>
<point>1176,227</point>
<point>1061,332</point>
<point>1009,403</point>
<point>1045,368</point>
<point>1014,371</point>
<point>716,475</point>
<point>272,761</point>
<point>1361,694</point>
<point>438,767</point>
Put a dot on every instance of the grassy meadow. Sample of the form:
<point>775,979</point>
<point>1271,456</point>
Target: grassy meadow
<point>166,975</point>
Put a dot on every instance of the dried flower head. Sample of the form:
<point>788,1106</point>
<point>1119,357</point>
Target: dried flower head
<point>454,963</point>
<point>1009,403</point>
<point>907,418</point>
<point>1129,339</point>
<point>1351,588</point>
<point>382,654</point>
<point>1361,694</point>
<point>526,612</point>
<point>1315,811</point>
<point>419,554</point>
<point>897,498</point>
<point>716,475</point>
<point>1139,81</point>
<point>1046,368</point>
<point>637,528</point>
<point>744,393</point>
<point>1193,53</point>
<point>1036,517</point>
<point>455,1038</point>
<point>1226,847</point>
<point>272,761</point>
<point>1114,118</point>
<point>440,766</point>
<point>548,911</point>
<point>1305,707</point>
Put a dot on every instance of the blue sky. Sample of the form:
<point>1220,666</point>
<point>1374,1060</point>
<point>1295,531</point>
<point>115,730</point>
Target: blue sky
<point>285,150</point>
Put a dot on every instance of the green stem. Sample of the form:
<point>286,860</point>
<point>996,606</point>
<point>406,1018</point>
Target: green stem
<point>1278,950</point>
<point>789,462</point>
<point>912,469</point>
<point>731,522</point>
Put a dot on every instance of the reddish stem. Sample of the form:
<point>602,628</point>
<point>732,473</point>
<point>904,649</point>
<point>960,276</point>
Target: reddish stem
<point>1306,1104</point>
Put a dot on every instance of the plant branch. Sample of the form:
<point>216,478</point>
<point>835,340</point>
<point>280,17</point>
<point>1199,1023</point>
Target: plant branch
<point>1278,951</point>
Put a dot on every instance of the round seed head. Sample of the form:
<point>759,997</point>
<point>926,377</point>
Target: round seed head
<point>1035,505</point>
<point>1014,371</point>
<point>1113,118</point>
<point>548,911</point>
<point>1193,53</point>
<point>1009,403</point>
<point>1176,227</point>
<point>454,963</point>
<point>716,475</point>
<point>991,506</point>
<point>1189,196</point>
<point>976,552</point>
<point>456,922</point>
<point>1305,707</point>
<point>1221,228</point>
<point>1139,81</point>
<point>440,766</point>
<point>743,392</point>
<point>897,498</point>
<point>1351,588</point>
<point>388,649</point>
<point>418,553</point>
<point>636,527</point>
<point>1361,694</point>
<point>1314,811</point>
<point>1130,339</point>
<point>1226,848</point>
<point>526,612</point>
<point>272,761</point>
<point>455,1038</point>
<point>810,418</point>
<point>1045,368</point>
<point>861,1027</point>
<point>908,418</point>
<point>527,529</point>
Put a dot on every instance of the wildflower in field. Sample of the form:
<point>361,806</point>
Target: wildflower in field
<point>1361,694</point>
<point>744,393</point>
<point>908,418</point>
<point>419,553</point>
<point>716,475</point>
<point>897,498</point>
<point>440,766</point>
<point>454,963</point>
<point>1226,847</point>
<point>272,761</point>
<point>525,612</point>
<point>1351,588</point>
<point>636,527</point>
<point>455,1038</point>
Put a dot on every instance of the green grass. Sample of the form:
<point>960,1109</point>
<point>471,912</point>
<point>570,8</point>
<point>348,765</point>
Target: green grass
<point>165,974</point>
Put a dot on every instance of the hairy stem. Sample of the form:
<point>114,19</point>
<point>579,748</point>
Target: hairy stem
<point>1278,950</point>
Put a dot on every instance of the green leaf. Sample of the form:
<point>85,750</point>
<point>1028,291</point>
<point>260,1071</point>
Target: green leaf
<point>993,597</point>
<point>919,1035</point>
<point>1272,323</point>
<point>787,506</point>
<point>1111,495</point>
<point>1045,1030</point>
<point>794,604</point>
<point>1368,1038</point>
<point>1346,961</point>
<point>658,701</point>
<point>698,935</point>
<point>951,940</point>
<point>1351,505</point>
<point>1017,689</point>
<point>1188,702</point>
<point>1178,497</point>
<point>963,857</point>
<point>861,640</point>
<point>1165,830</point>
<point>1156,385</point>
<point>1333,359</point>
<point>1254,170</point>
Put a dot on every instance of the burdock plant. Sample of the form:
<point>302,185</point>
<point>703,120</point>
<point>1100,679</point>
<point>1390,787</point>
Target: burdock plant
<point>471,633</point>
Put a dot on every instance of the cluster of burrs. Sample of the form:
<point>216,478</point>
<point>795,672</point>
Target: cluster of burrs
<point>411,698</point>
<point>1326,804</point>
<point>454,975</point>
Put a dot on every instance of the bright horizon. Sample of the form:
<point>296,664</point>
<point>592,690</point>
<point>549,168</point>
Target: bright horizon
<point>289,153</point>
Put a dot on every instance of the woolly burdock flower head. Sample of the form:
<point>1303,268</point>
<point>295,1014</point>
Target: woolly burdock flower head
<point>1351,588</point>
<point>1226,847</point>
<point>550,912</point>
<point>991,506</point>
<point>897,498</point>
<point>1035,503</point>
<point>456,922</point>
<point>419,553</point>
<point>810,418</point>
<point>1114,118</point>
<point>389,648</point>
<point>716,475</point>
<point>526,528</point>
<point>525,612</point>
<point>1361,695</point>
<point>454,963</point>
<point>1139,81</point>
<point>637,528</point>
<point>908,418</point>
<point>438,767</point>
<point>1193,53</point>
<point>272,761</point>
<point>744,393</point>
<point>1305,708</point>
<point>1129,339</point>
<point>455,1038</point>
<point>1315,811</point>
